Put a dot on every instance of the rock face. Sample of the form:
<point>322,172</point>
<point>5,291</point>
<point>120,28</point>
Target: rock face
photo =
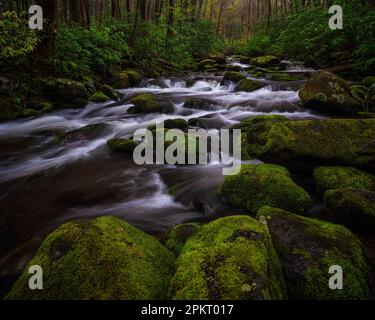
<point>327,92</point>
<point>344,141</point>
<point>264,185</point>
<point>327,178</point>
<point>307,248</point>
<point>249,85</point>
<point>230,258</point>
<point>105,258</point>
<point>354,208</point>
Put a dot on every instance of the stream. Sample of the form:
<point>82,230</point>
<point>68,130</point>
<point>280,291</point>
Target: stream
<point>44,184</point>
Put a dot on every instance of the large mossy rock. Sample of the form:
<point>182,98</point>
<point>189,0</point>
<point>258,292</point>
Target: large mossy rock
<point>264,185</point>
<point>229,258</point>
<point>233,76</point>
<point>307,248</point>
<point>108,91</point>
<point>63,89</point>
<point>327,178</point>
<point>207,64</point>
<point>218,57</point>
<point>121,81</point>
<point>175,238</point>
<point>341,141</point>
<point>265,61</point>
<point>327,92</point>
<point>105,258</point>
<point>354,208</point>
<point>249,85</point>
<point>146,103</point>
<point>98,97</point>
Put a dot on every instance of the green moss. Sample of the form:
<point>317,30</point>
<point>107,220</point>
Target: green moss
<point>146,103</point>
<point>64,89</point>
<point>265,61</point>
<point>173,124</point>
<point>99,97</point>
<point>265,184</point>
<point>233,76</point>
<point>108,91</point>
<point>207,64</point>
<point>346,141</point>
<point>327,178</point>
<point>175,238</point>
<point>122,81</point>
<point>233,68</point>
<point>284,77</point>
<point>30,113</point>
<point>105,258</point>
<point>218,57</point>
<point>229,258</point>
<point>249,85</point>
<point>354,208</point>
<point>124,145</point>
<point>133,76</point>
<point>330,93</point>
<point>8,108</point>
<point>307,248</point>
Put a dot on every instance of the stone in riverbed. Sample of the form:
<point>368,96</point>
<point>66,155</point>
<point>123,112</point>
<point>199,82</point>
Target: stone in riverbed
<point>248,85</point>
<point>229,258</point>
<point>98,97</point>
<point>264,185</point>
<point>341,141</point>
<point>123,145</point>
<point>233,76</point>
<point>354,208</point>
<point>327,92</point>
<point>218,57</point>
<point>327,178</point>
<point>307,248</point>
<point>101,259</point>
<point>265,61</point>
<point>108,91</point>
<point>207,64</point>
<point>63,89</point>
<point>146,103</point>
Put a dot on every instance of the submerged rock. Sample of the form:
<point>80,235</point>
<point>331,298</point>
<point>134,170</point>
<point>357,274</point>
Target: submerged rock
<point>344,141</point>
<point>85,133</point>
<point>327,92</point>
<point>307,248</point>
<point>249,85</point>
<point>264,185</point>
<point>229,258</point>
<point>327,178</point>
<point>104,258</point>
<point>354,208</point>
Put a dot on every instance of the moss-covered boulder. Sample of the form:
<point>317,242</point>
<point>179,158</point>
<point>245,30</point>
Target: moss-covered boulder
<point>307,248</point>
<point>354,208</point>
<point>146,103</point>
<point>63,89</point>
<point>265,61</point>
<point>207,64</point>
<point>121,81</point>
<point>123,145</point>
<point>284,77</point>
<point>327,92</point>
<point>344,141</point>
<point>264,185</point>
<point>229,258</point>
<point>249,85</point>
<point>368,81</point>
<point>200,103</point>
<point>233,76</point>
<point>175,238</point>
<point>218,57</point>
<point>335,177</point>
<point>179,123</point>
<point>108,91</point>
<point>133,75</point>
<point>105,258</point>
<point>234,68</point>
<point>98,97</point>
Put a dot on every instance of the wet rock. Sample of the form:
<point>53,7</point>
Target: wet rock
<point>264,185</point>
<point>200,103</point>
<point>123,145</point>
<point>307,248</point>
<point>248,85</point>
<point>265,61</point>
<point>89,132</point>
<point>327,92</point>
<point>327,178</point>
<point>234,68</point>
<point>121,81</point>
<point>207,64</point>
<point>98,97</point>
<point>229,258</point>
<point>109,92</point>
<point>63,89</point>
<point>233,76</point>
<point>354,208</point>
<point>218,57</point>
<point>104,258</point>
<point>175,238</point>
<point>146,103</point>
<point>173,124</point>
<point>339,141</point>
<point>284,77</point>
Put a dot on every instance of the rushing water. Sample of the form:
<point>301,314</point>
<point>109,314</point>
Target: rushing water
<point>45,184</point>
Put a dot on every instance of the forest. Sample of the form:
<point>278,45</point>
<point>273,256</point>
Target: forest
<point>81,219</point>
